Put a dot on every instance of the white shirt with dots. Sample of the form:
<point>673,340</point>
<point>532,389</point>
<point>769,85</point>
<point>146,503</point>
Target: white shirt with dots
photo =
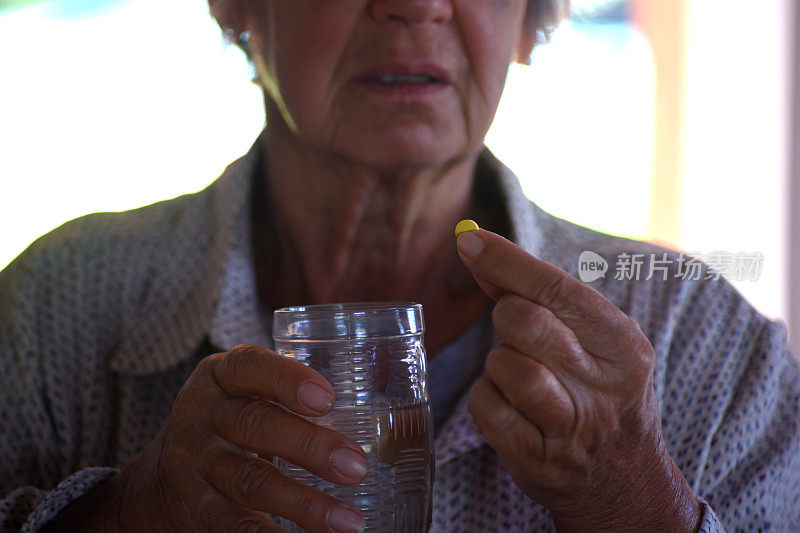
<point>104,319</point>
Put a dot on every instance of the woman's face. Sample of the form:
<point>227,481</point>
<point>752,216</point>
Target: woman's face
<point>385,83</point>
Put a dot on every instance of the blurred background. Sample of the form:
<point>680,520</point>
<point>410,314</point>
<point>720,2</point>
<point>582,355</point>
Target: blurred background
<point>670,121</point>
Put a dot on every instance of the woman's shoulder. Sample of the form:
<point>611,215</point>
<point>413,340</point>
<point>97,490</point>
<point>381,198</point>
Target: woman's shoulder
<point>185,220</point>
<point>104,235</point>
<point>107,257</point>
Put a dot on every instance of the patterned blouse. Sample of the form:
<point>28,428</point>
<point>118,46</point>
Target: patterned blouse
<point>103,320</point>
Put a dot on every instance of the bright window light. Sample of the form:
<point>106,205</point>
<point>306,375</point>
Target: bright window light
<point>114,108</point>
<point>577,126</point>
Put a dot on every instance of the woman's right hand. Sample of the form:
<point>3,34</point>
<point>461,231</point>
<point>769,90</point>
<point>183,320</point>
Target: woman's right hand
<point>209,467</point>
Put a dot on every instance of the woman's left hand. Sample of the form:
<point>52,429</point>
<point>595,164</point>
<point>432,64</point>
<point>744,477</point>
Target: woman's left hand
<point>567,399</point>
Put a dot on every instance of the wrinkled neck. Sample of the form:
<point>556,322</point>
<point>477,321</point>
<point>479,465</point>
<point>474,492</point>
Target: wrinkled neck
<point>347,232</point>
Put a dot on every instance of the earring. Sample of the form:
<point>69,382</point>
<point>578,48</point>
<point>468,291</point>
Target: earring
<point>527,61</point>
<point>244,41</point>
<point>543,35</point>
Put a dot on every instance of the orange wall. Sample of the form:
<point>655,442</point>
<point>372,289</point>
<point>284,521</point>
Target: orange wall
<point>663,23</point>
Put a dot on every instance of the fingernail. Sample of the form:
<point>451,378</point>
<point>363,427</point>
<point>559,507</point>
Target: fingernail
<point>315,397</point>
<point>349,463</point>
<point>345,520</point>
<point>470,244</point>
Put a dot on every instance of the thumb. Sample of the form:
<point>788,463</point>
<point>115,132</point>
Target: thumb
<point>466,231</point>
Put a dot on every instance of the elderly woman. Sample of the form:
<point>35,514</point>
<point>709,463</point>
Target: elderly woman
<point>138,390</point>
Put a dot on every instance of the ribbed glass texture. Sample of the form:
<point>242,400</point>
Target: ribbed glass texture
<point>373,355</point>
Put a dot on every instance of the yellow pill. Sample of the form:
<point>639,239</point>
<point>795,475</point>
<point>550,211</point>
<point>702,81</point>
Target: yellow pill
<point>464,226</point>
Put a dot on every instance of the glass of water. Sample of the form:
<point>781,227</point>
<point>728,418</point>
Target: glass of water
<point>373,355</point>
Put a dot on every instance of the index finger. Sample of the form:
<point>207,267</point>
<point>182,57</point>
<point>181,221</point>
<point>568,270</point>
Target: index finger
<point>499,265</point>
<point>254,372</point>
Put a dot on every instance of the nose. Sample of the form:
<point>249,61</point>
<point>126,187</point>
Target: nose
<point>412,12</point>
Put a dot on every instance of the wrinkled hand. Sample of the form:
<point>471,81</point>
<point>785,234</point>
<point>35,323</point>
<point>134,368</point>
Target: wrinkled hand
<point>567,399</point>
<point>209,467</point>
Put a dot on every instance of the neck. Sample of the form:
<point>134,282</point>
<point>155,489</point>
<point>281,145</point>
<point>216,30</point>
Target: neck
<point>341,232</point>
<point>352,233</point>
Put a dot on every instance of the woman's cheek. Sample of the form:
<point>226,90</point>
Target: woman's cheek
<point>307,68</point>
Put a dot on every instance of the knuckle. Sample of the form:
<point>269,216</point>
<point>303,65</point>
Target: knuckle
<point>471,404</point>
<point>504,422</point>
<point>640,347</point>
<point>251,421</point>
<point>249,482</point>
<point>169,481</point>
<point>497,310</point>
<point>510,307</point>
<point>477,396</point>
<point>522,321</point>
<point>549,383</point>
<point>497,260</point>
<point>572,357</point>
<point>554,479</point>
<point>504,307</point>
<point>207,363</point>
<point>630,328</point>
<point>646,352</point>
<point>249,524</point>
<point>552,291</point>
<point>307,443</point>
<point>536,324</point>
<point>169,466</point>
<point>535,385</point>
<point>202,384</point>
<point>472,401</point>
<point>238,356</point>
<point>193,390</point>
<point>223,368</point>
<point>494,361</point>
<point>208,462</point>
<point>523,445</point>
<point>313,504</point>
<point>282,376</point>
<point>163,479</point>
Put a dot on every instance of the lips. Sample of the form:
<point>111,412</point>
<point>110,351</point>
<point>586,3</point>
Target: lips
<point>407,72</point>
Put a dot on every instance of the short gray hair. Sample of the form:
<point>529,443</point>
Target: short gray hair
<point>544,16</point>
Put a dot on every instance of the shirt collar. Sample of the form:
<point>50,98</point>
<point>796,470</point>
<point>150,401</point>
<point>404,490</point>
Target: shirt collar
<point>192,236</point>
<point>238,318</point>
<point>525,217</point>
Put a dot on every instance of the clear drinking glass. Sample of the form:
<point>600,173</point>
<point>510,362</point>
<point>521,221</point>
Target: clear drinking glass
<point>373,355</point>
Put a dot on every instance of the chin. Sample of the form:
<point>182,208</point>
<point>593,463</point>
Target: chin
<point>405,152</point>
